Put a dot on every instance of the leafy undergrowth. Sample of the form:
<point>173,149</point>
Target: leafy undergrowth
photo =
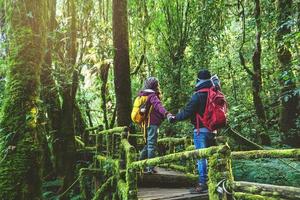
<point>269,171</point>
<point>50,188</point>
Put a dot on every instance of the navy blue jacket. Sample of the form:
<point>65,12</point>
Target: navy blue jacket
<point>196,104</point>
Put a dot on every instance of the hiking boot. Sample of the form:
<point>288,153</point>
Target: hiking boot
<point>201,188</point>
<point>151,171</point>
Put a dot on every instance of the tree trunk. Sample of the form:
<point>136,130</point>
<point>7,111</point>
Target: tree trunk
<point>20,151</point>
<point>289,103</point>
<point>104,75</point>
<point>121,62</point>
<point>66,158</point>
<point>49,92</point>
<point>257,79</point>
<point>80,124</point>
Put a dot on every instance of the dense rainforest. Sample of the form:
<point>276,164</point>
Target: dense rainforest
<point>72,68</point>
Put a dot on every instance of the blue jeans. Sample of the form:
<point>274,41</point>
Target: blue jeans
<point>150,148</point>
<point>203,139</point>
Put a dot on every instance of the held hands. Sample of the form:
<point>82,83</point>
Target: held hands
<point>171,118</point>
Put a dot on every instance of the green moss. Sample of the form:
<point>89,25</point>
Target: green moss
<point>174,167</point>
<point>114,130</point>
<point>84,174</point>
<point>131,176</point>
<point>109,166</point>
<point>196,154</point>
<point>105,190</point>
<point>263,170</point>
<point>283,153</point>
<point>219,169</point>
<point>122,190</point>
<point>190,148</point>
<point>246,196</point>
<point>174,141</point>
<point>20,151</point>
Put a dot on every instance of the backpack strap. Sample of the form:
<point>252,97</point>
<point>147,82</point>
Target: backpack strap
<point>198,116</point>
<point>146,125</point>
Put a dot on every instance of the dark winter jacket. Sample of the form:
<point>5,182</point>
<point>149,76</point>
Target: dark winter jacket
<point>158,111</point>
<point>196,104</point>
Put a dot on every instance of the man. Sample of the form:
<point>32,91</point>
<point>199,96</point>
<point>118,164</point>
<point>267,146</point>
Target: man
<point>203,138</point>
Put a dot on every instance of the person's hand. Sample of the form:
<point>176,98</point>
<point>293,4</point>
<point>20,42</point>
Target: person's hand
<point>171,118</point>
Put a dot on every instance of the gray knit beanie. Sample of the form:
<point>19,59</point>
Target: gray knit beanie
<point>151,83</point>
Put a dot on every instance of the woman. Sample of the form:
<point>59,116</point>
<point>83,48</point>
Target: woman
<point>156,114</point>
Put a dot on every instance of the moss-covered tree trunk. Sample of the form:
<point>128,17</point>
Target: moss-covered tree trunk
<point>121,62</point>
<point>66,141</point>
<point>256,77</point>
<point>104,76</point>
<point>20,150</point>
<point>289,103</point>
<point>49,92</point>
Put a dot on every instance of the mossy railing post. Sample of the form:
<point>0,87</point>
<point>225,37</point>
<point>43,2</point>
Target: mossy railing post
<point>108,145</point>
<point>131,176</point>
<point>219,168</point>
<point>99,141</point>
<point>84,175</point>
<point>171,147</point>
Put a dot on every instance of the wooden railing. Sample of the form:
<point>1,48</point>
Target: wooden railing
<point>116,167</point>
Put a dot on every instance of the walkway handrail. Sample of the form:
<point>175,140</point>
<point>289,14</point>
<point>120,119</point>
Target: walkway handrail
<point>273,191</point>
<point>196,154</point>
<point>117,130</point>
<point>274,153</point>
<point>257,191</point>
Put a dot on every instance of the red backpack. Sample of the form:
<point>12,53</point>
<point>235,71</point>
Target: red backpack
<point>214,116</point>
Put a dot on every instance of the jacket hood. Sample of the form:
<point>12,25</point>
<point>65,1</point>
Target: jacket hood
<point>146,92</point>
<point>203,84</point>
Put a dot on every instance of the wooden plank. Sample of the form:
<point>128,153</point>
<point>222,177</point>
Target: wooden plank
<point>167,179</point>
<point>168,194</point>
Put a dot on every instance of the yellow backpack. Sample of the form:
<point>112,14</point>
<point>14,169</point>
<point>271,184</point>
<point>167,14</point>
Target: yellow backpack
<point>139,113</point>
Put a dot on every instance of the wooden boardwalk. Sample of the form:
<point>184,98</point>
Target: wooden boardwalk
<point>161,191</point>
<point>168,194</point>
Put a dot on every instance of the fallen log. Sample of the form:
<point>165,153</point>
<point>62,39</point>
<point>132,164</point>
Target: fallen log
<point>275,191</point>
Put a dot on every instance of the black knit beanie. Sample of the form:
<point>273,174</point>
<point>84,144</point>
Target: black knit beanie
<point>204,74</point>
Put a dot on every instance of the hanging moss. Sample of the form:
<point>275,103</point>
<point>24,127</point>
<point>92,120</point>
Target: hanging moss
<point>122,190</point>
<point>285,153</point>
<point>110,167</point>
